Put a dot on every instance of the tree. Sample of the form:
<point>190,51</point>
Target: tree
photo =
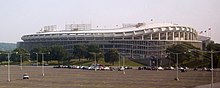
<point>112,56</point>
<point>37,52</point>
<point>58,53</point>
<point>19,53</point>
<point>94,49</point>
<point>34,53</point>
<point>183,52</point>
<point>79,51</point>
<point>3,57</point>
<point>216,56</point>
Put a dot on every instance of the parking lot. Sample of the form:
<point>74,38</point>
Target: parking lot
<point>77,78</point>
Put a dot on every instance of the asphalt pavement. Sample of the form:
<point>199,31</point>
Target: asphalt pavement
<point>215,85</point>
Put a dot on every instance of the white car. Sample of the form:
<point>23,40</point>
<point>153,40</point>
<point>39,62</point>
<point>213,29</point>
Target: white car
<point>160,68</point>
<point>106,68</point>
<point>25,76</point>
<point>91,68</point>
<point>180,68</point>
<point>121,68</point>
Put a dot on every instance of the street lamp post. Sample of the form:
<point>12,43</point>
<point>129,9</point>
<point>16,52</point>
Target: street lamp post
<point>9,79</point>
<point>42,54</point>
<point>119,61</point>
<point>212,68</point>
<point>95,62</point>
<point>177,63</point>
<point>123,61</point>
<point>42,66</point>
<point>20,61</point>
<point>177,73</point>
<point>157,63</point>
<point>37,58</point>
<point>124,64</point>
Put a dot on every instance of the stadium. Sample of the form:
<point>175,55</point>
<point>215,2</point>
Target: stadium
<point>136,41</point>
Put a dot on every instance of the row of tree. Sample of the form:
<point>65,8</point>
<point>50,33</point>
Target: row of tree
<point>194,57</point>
<point>187,54</point>
<point>58,53</point>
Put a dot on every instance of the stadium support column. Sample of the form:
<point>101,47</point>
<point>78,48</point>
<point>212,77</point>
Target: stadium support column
<point>188,36</point>
<point>184,35</point>
<point>166,35</point>
<point>159,36</point>
<point>142,37</point>
<point>191,36</point>
<point>151,36</point>
<point>179,35</point>
<point>173,35</point>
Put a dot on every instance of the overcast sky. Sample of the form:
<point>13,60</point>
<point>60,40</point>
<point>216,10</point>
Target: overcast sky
<point>18,17</point>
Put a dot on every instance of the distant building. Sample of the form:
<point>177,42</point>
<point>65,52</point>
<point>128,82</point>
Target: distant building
<point>132,40</point>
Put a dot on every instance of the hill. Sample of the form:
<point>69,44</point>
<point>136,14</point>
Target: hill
<point>7,46</point>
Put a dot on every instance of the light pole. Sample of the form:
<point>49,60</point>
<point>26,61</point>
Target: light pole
<point>119,61</point>
<point>212,68</point>
<point>177,62</point>
<point>9,73</point>
<point>124,63</point>
<point>42,54</point>
<point>95,62</point>
<point>177,73</point>
<point>37,58</point>
<point>42,64</point>
<point>20,61</point>
<point>9,79</point>
<point>157,63</point>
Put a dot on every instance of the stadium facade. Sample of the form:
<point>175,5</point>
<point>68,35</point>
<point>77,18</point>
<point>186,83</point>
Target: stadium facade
<point>139,40</point>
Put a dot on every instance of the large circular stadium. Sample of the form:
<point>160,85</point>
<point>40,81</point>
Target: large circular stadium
<point>139,40</point>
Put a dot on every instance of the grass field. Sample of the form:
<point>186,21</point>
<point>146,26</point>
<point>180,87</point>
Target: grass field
<point>76,78</point>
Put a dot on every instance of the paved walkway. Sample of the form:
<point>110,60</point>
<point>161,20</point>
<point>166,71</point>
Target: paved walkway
<point>215,85</point>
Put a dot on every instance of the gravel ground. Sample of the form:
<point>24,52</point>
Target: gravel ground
<point>76,78</point>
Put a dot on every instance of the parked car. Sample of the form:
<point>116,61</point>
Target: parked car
<point>160,68</point>
<point>169,68</point>
<point>122,68</point>
<point>73,67</point>
<point>180,68</point>
<point>106,68</point>
<point>140,68</point>
<point>25,76</point>
<point>128,67</point>
<point>204,69</point>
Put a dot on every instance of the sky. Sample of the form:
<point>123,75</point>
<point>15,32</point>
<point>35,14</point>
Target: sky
<point>19,17</point>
